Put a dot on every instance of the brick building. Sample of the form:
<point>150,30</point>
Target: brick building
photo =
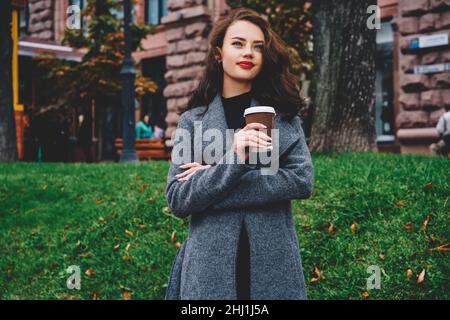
<point>412,85</point>
<point>172,57</point>
<point>413,73</point>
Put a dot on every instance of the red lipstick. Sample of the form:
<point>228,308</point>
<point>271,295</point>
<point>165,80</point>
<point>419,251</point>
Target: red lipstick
<point>246,64</point>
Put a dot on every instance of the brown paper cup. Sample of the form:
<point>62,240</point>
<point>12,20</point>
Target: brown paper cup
<point>264,115</point>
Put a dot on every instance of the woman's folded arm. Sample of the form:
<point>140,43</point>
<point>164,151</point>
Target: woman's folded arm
<point>294,180</point>
<point>205,186</point>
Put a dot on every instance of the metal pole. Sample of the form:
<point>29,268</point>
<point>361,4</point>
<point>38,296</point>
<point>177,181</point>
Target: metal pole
<point>128,73</point>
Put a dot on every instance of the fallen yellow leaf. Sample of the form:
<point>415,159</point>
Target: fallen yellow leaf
<point>400,203</point>
<point>425,223</point>
<point>428,186</point>
<point>129,233</point>
<point>90,272</point>
<point>178,244</point>
<point>126,295</point>
<point>408,225</point>
<point>444,247</point>
<point>365,294</point>
<point>314,280</point>
<point>330,228</point>
<point>102,220</point>
<point>409,273</point>
<point>127,247</point>
<point>318,272</point>
<point>421,276</point>
<point>353,228</point>
<point>172,237</point>
<point>69,296</point>
<point>116,247</point>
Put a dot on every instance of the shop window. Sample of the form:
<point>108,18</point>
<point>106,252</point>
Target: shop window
<point>155,10</point>
<point>24,17</point>
<point>384,87</point>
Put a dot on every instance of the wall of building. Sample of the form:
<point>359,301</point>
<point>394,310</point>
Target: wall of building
<point>186,28</point>
<point>182,38</point>
<point>41,21</point>
<point>422,97</point>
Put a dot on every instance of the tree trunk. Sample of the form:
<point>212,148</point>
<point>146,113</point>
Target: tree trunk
<point>8,147</point>
<point>343,76</point>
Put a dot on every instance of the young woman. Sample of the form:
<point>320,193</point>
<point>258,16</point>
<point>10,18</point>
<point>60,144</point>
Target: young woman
<point>144,129</point>
<point>242,242</point>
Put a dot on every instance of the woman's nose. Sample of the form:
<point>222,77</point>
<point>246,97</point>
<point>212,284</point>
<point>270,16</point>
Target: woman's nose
<point>248,50</point>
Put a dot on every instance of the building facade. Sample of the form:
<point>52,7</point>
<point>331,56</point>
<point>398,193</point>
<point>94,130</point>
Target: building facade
<point>172,57</point>
<point>413,56</point>
<point>413,73</point>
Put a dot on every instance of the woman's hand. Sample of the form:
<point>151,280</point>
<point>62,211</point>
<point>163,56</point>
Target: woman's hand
<point>192,168</point>
<point>250,137</point>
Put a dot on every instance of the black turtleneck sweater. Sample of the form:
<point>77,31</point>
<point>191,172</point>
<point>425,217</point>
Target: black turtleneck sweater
<point>234,112</point>
<point>234,109</point>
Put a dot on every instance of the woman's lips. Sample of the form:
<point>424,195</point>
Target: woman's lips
<point>244,65</point>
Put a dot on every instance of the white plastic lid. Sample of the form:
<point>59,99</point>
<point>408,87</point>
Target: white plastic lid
<point>259,109</point>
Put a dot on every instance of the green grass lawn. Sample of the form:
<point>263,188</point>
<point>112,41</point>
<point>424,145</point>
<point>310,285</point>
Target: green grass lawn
<point>112,220</point>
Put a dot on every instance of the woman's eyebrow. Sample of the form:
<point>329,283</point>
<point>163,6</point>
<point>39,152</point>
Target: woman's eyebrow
<point>242,39</point>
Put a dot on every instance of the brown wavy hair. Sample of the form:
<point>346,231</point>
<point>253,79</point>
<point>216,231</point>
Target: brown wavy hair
<point>276,85</point>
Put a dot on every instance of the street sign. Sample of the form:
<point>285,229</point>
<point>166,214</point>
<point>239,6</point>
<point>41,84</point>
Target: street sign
<point>434,40</point>
<point>433,68</point>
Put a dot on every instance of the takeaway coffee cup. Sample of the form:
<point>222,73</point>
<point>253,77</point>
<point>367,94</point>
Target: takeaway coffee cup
<point>264,115</point>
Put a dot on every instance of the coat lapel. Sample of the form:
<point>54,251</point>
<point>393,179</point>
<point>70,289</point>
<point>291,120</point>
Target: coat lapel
<point>214,118</point>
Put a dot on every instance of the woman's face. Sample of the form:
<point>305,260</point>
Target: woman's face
<point>242,51</point>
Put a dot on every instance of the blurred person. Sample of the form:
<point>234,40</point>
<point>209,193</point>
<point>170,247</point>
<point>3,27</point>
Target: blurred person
<point>144,129</point>
<point>158,132</point>
<point>442,147</point>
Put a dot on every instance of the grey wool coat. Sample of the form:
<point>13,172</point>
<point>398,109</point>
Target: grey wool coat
<point>220,199</point>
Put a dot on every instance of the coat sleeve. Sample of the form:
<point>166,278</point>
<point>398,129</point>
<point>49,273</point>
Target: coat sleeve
<point>293,180</point>
<point>204,187</point>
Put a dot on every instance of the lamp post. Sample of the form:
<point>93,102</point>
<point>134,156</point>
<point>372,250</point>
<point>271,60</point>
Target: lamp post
<point>128,73</point>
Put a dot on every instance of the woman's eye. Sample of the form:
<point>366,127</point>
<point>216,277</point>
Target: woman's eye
<point>259,48</point>
<point>236,43</point>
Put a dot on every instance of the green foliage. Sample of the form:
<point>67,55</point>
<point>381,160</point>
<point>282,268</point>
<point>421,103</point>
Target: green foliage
<point>291,20</point>
<point>97,76</point>
<point>56,215</point>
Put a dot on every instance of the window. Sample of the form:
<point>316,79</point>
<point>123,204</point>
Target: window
<point>82,4</point>
<point>155,10</point>
<point>24,16</point>
<point>118,13</point>
<point>384,93</point>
